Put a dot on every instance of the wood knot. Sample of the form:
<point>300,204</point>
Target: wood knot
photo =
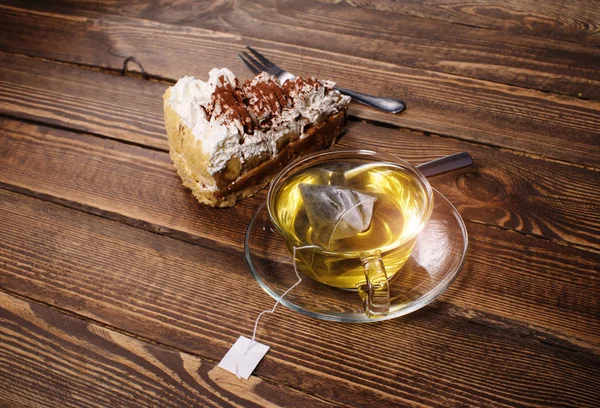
<point>482,187</point>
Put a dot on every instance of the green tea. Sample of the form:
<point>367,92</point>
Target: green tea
<point>397,214</point>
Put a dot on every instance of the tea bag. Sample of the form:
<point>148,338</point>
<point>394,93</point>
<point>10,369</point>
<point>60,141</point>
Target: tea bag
<point>245,354</point>
<point>336,213</point>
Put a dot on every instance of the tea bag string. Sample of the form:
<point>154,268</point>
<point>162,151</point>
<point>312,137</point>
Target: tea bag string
<point>274,307</point>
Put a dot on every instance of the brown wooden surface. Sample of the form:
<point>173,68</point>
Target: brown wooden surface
<point>549,19</point>
<point>107,262</point>
<point>487,112</point>
<point>383,37</point>
<point>169,302</point>
<point>44,346</point>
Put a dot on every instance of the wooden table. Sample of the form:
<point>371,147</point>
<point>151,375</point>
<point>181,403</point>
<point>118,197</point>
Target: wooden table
<point>107,264</point>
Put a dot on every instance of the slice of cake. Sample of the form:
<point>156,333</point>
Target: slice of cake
<point>228,140</point>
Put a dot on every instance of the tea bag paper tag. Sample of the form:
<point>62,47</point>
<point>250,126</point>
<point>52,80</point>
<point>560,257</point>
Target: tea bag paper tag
<point>243,357</point>
<point>241,360</point>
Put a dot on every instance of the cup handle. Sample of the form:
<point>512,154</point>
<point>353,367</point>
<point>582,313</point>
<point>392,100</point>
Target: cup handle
<point>375,294</point>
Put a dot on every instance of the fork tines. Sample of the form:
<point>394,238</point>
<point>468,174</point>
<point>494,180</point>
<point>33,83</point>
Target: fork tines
<point>268,65</point>
<point>259,63</point>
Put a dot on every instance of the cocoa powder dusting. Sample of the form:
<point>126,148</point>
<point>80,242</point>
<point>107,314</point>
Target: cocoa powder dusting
<point>228,102</point>
<point>258,102</point>
<point>296,86</point>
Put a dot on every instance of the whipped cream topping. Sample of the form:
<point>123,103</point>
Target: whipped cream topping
<point>248,121</point>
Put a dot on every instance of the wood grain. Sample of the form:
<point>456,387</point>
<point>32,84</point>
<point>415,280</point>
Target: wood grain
<point>434,45</point>
<point>60,95</point>
<point>576,21</point>
<point>48,359</point>
<point>165,290</point>
<point>464,108</point>
<point>559,203</point>
<point>118,289</point>
<point>139,187</point>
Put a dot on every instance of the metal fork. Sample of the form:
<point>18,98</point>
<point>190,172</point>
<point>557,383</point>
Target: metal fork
<point>261,63</point>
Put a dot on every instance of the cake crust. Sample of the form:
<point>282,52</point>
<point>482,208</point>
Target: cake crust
<point>187,155</point>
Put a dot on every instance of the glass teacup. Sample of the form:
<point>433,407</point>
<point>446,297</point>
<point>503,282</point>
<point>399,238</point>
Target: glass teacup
<point>353,217</point>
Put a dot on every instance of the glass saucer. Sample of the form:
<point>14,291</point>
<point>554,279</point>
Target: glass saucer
<point>436,259</point>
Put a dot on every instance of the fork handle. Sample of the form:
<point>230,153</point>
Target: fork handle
<point>385,104</point>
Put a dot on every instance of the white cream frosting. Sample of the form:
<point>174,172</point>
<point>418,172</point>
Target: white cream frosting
<point>222,138</point>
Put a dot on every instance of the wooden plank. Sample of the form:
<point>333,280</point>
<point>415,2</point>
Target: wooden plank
<point>577,21</point>
<point>139,187</point>
<point>107,105</point>
<point>538,123</point>
<point>525,61</point>
<point>170,291</point>
<point>48,359</point>
<point>499,190</point>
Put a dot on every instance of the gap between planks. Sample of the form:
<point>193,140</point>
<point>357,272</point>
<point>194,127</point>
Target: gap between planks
<point>146,340</point>
<point>516,152</point>
<point>184,236</point>
<point>471,131</point>
<point>145,76</point>
<point>558,242</point>
<point>143,224</point>
<point>91,13</point>
<point>380,6</point>
<point>474,317</point>
<point>351,116</point>
<point>142,74</point>
<point>80,132</point>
